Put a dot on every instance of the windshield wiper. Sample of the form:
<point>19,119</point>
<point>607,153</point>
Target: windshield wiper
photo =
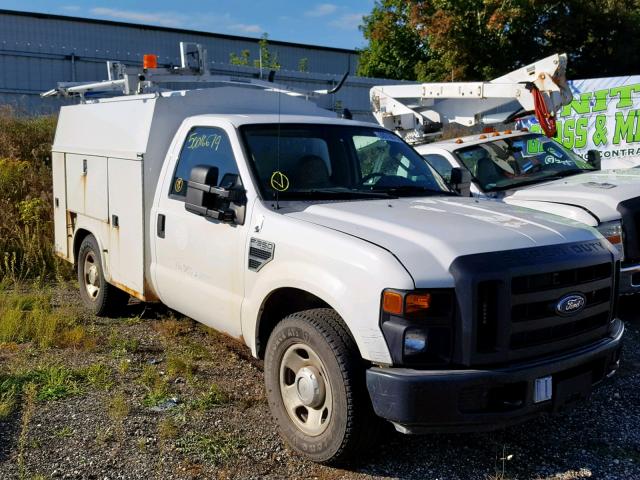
<point>534,180</point>
<point>332,194</point>
<point>408,190</point>
<point>568,173</point>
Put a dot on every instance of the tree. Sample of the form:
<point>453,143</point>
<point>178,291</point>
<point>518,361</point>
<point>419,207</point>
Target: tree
<point>395,48</point>
<point>482,39</point>
<point>242,59</point>
<point>303,65</point>
<point>269,60</point>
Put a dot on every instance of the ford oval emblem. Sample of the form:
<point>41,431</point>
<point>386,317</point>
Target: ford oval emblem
<point>571,304</point>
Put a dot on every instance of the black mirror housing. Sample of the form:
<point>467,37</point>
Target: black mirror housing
<point>206,199</point>
<point>461,181</point>
<point>199,198</point>
<point>594,159</point>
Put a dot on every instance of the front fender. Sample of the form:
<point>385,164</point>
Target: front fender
<point>347,273</point>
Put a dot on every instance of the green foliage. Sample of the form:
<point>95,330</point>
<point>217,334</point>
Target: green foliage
<point>217,448</point>
<point>242,59</point>
<point>441,40</point>
<point>98,375</point>
<point>55,382</point>
<point>213,397</point>
<point>30,317</point>
<point>303,65</point>
<point>25,137</point>
<point>269,59</point>
<point>121,345</point>
<point>395,49</point>
<point>26,226</point>
<point>156,385</point>
<point>51,382</point>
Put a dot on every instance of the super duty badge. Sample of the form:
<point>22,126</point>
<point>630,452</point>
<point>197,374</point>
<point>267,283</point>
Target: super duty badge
<point>260,253</point>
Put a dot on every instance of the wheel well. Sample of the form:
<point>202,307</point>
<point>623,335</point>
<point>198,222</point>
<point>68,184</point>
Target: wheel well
<point>279,304</point>
<point>81,234</point>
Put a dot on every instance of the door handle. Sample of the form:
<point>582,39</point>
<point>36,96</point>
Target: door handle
<point>160,225</point>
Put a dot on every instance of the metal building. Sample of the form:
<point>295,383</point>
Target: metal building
<point>38,50</point>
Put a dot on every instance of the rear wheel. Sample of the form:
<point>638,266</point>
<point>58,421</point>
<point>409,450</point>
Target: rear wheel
<point>316,387</point>
<point>100,297</point>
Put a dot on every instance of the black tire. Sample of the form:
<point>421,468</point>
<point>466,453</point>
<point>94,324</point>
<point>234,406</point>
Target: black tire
<point>351,426</point>
<point>105,300</point>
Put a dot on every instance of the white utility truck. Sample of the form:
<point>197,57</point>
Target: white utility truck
<point>336,253</point>
<point>517,166</point>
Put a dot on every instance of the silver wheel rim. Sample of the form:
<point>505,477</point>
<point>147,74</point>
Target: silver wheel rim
<point>91,276</point>
<point>305,389</point>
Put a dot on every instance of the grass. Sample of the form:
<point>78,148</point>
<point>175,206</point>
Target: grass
<point>27,414</point>
<point>178,366</point>
<point>8,400</point>
<point>31,317</point>
<point>52,382</point>
<point>156,385</point>
<point>99,376</point>
<point>121,345</point>
<point>217,448</point>
<point>213,397</point>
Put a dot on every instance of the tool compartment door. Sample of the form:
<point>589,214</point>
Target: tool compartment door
<point>126,229</point>
<point>59,205</point>
<point>87,192</point>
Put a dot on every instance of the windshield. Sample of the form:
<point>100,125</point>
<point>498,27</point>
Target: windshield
<point>302,161</point>
<point>512,162</point>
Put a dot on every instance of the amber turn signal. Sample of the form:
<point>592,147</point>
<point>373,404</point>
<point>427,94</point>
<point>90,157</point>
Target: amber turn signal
<point>614,239</point>
<point>392,303</point>
<point>416,302</point>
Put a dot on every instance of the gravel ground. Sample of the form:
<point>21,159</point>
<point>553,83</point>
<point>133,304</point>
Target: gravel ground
<point>112,433</point>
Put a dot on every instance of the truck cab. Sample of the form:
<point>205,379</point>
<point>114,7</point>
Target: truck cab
<point>530,170</point>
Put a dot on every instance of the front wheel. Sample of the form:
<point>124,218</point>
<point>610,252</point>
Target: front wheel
<point>316,387</point>
<point>102,298</point>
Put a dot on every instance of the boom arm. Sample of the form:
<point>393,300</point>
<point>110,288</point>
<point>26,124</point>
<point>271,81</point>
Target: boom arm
<point>415,111</point>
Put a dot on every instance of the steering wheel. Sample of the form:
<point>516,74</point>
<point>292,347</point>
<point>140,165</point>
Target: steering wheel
<point>366,178</point>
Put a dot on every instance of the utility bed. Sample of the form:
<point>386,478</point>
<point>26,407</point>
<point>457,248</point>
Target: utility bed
<point>110,190</point>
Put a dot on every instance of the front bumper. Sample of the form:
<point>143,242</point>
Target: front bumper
<point>419,401</point>
<point>630,280</point>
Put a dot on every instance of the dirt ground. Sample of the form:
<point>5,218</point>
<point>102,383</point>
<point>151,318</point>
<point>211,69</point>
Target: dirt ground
<point>152,395</point>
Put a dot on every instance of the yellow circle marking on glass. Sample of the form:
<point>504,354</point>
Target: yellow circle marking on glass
<point>279,181</point>
<point>178,185</point>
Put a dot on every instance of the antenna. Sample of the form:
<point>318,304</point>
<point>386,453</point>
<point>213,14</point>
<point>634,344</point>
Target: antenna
<point>278,151</point>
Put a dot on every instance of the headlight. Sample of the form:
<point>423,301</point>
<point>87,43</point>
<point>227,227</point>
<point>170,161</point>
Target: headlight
<point>612,231</point>
<point>418,325</point>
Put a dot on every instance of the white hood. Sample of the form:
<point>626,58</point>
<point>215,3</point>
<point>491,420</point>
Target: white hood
<point>597,192</point>
<point>427,234</point>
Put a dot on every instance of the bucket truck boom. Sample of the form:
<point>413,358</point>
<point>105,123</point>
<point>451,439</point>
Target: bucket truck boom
<point>417,112</point>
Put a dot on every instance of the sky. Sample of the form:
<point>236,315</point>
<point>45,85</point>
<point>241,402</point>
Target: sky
<point>303,21</point>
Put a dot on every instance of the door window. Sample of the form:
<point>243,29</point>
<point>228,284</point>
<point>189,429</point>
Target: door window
<point>204,146</point>
<point>441,164</point>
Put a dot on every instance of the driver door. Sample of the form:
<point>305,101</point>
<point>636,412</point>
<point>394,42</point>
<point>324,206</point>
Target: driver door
<point>198,260</point>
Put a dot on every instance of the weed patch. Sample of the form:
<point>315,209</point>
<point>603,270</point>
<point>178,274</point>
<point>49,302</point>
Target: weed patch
<point>218,448</point>
<point>98,376</point>
<point>213,397</point>
<point>156,385</point>
<point>50,383</point>
<point>30,317</point>
<point>120,345</point>
<point>26,225</point>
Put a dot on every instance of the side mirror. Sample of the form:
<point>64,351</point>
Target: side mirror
<point>594,159</point>
<point>203,194</point>
<point>461,181</point>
